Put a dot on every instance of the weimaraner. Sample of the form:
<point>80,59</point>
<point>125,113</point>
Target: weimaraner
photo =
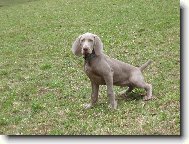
<point>103,70</point>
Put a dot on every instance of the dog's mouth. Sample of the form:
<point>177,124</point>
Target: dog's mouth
<point>86,53</point>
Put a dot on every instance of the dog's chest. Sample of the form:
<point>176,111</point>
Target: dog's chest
<point>93,74</point>
<point>88,69</point>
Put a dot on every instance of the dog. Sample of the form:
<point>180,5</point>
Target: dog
<point>103,70</point>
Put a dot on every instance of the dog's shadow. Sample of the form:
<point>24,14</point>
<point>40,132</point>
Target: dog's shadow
<point>133,96</point>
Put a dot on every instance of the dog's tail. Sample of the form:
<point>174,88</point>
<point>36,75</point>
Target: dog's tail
<point>142,67</point>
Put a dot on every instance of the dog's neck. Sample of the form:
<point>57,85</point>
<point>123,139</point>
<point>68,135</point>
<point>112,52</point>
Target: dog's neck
<point>90,57</point>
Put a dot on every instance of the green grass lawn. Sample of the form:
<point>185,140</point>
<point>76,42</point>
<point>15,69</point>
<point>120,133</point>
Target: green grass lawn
<point>43,86</point>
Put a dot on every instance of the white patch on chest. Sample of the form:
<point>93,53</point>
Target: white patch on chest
<point>87,68</point>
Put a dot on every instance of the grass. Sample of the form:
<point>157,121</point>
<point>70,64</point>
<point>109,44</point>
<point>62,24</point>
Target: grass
<point>43,86</point>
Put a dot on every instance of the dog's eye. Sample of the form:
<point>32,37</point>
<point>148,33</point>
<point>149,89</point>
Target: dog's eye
<point>82,40</point>
<point>90,40</point>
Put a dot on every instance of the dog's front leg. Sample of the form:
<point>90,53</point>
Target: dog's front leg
<point>94,95</point>
<point>109,82</point>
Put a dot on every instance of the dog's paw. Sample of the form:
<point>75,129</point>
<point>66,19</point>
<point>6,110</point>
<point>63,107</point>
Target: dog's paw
<point>122,94</point>
<point>113,106</point>
<point>87,106</point>
<point>146,98</point>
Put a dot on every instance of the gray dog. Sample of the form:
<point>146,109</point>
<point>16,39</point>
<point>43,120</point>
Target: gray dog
<point>103,70</point>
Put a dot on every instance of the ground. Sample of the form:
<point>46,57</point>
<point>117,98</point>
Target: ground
<point>42,84</point>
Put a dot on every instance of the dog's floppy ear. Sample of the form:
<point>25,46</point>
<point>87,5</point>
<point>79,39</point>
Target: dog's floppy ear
<point>98,46</point>
<point>76,48</point>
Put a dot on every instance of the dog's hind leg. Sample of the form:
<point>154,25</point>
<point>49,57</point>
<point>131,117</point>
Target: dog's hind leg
<point>139,82</point>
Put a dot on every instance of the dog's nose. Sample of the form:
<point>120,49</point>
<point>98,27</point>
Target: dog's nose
<point>85,49</point>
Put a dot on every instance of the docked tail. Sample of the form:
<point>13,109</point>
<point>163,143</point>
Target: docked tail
<point>142,67</point>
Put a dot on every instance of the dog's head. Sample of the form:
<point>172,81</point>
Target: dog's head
<point>86,43</point>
